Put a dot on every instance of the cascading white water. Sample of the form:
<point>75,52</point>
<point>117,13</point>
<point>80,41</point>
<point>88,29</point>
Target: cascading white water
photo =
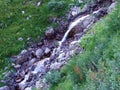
<point>71,26</point>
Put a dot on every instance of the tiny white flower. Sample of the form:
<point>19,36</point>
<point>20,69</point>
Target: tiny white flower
<point>27,18</point>
<point>23,12</point>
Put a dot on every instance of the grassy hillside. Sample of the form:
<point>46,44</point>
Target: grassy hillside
<point>23,22</point>
<point>98,67</point>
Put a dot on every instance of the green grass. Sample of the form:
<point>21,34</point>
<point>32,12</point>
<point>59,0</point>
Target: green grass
<point>98,67</point>
<point>30,24</point>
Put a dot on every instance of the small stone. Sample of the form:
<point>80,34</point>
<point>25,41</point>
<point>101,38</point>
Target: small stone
<point>28,38</point>
<point>4,88</point>
<point>39,85</point>
<point>39,53</point>
<point>47,50</point>
<point>20,39</point>
<point>17,66</point>
<point>23,12</point>
<point>23,51</point>
<point>72,52</point>
<point>39,3</point>
<point>80,1</point>
<point>75,10</point>
<point>28,88</point>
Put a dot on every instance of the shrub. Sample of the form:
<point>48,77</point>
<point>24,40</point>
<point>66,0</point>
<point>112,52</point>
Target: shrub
<point>53,77</point>
<point>57,6</point>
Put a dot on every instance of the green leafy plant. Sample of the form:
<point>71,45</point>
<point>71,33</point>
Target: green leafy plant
<point>53,77</point>
<point>56,5</point>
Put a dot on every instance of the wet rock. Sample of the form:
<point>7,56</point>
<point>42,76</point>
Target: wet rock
<point>55,66</point>
<point>4,88</point>
<point>77,29</point>
<point>47,50</point>
<point>111,7</point>
<point>39,53</point>
<point>50,33</point>
<point>86,22</point>
<point>17,66</point>
<point>100,13</point>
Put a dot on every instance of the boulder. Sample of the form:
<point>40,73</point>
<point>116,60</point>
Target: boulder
<point>39,53</point>
<point>21,59</point>
<point>50,33</point>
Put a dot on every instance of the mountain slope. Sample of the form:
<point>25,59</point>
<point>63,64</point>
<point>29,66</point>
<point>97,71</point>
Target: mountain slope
<point>98,67</point>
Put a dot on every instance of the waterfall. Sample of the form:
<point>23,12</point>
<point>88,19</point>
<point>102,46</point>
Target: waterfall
<point>71,26</point>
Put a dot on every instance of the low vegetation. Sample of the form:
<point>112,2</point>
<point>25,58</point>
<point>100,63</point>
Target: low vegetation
<point>98,67</point>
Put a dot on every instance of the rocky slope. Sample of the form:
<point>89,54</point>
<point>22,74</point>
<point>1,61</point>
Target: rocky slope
<point>56,48</point>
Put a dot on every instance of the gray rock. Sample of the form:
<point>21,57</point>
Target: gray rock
<point>55,66</point>
<point>17,66</point>
<point>23,51</point>
<point>47,50</point>
<point>39,3</point>
<point>50,33</point>
<point>61,57</point>
<point>20,39</point>
<point>39,53</point>
<point>111,7</point>
<point>22,86</point>
<point>31,62</point>
<point>4,88</point>
<point>21,59</point>
<point>40,66</point>
<point>75,10</point>
<point>87,21</point>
